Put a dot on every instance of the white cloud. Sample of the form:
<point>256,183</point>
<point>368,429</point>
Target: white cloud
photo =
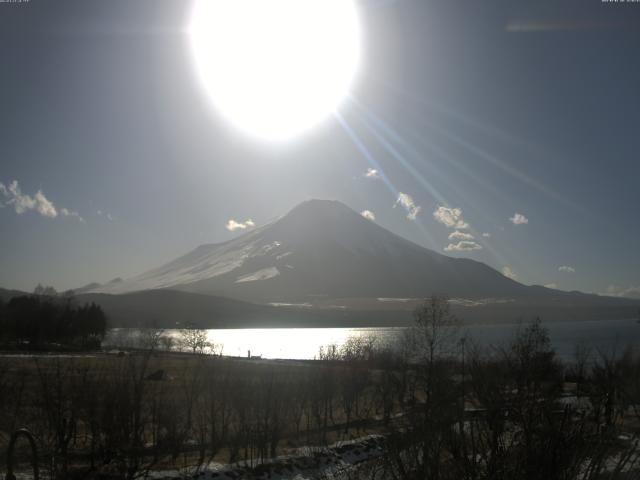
<point>372,173</point>
<point>566,269</point>
<point>407,202</point>
<point>627,292</point>
<point>22,202</point>
<point>509,273</point>
<point>44,206</point>
<point>486,235</point>
<point>552,285</point>
<point>13,196</point>
<point>458,235</point>
<point>108,215</point>
<point>451,217</point>
<point>518,219</point>
<point>71,213</point>
<point>368,214</point>
<point>462,246</point>
<point>233,225</point>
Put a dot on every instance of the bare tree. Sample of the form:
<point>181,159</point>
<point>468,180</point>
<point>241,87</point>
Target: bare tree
<point>194,339</point>
<point>435,328</point>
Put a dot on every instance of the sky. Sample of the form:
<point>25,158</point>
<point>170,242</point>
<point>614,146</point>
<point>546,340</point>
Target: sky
<point>503,131</point>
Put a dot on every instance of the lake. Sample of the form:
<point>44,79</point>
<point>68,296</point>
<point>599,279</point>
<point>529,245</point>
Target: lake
<point>304,343</point>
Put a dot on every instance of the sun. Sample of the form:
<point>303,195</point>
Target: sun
<point>275,68</point>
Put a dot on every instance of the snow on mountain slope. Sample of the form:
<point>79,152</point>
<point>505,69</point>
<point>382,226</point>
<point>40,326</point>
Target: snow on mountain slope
<point>264,274</point>
<point>320,248</point>
<point>205,262</point>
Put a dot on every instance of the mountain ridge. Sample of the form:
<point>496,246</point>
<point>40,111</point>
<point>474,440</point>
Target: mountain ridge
<point>322,250</point>
<point>331,249</point>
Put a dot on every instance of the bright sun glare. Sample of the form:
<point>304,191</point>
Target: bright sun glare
<point>275,68</point>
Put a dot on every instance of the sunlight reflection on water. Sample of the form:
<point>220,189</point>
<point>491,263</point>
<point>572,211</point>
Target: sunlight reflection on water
<point>304,343</point>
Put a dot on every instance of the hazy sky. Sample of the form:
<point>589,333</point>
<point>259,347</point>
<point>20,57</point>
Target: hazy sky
<point>495,108</point>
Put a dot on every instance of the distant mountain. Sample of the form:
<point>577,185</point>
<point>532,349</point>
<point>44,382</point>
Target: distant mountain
<point>87,288</point>
<point>95,286</point>
<point>323,264</point>
<point>323,251</point>
<point>175,309</point>
<point>6,294</point>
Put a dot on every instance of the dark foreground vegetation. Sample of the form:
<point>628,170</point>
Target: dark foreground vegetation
<point>46,320</point>
<point>442,407</point>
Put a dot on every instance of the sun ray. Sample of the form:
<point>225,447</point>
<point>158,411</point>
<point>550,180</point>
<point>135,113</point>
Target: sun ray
<point>383,128</point>
<point>362,148</point>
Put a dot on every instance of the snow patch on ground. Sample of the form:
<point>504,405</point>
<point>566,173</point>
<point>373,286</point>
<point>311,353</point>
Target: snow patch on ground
<point>308,463</point>
<point>282,304</point>
<point>466,302</point>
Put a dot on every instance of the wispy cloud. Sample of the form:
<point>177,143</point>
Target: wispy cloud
<point>509,273</point>
<point>618,291</point>
<point>458,235</point>
<point>368,214</point>
<point>406,201</point>
<point>518,219</point>
<point>372,173</point>
<point>11,195</point>
<point>233,225</point>
<point>462,246</point>
<point>71,213</point>
<point>552,285</point>
<point>566,269</point>
<point>22,202</point>
<point>486,235</point>
<point>451,217</point>
<point>106,214</point>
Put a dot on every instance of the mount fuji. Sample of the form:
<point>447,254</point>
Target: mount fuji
<point>323,249</point>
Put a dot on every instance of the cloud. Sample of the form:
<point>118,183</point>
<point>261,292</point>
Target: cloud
<point>552,285</point>
<point>44,206</point>
<point>372,173</point>
<point>486,235</point>
<point>233,225</point>
<point>22,202</point>
<point>627,292</point>
<point>566,269</point>
<point>451,217</point>
<point>368,214</point>
<point>407,202</point>
<point>71,213</point>
<point>518,219</point>
<point>509,273</point>
<point>108,215</point>
<point>458,235</point>
<point>462,246</point>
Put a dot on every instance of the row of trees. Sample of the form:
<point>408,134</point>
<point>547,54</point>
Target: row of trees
<point>37,320</point>
<point>115,415</point>
<point>447,409</point>
<point>504,412</point>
